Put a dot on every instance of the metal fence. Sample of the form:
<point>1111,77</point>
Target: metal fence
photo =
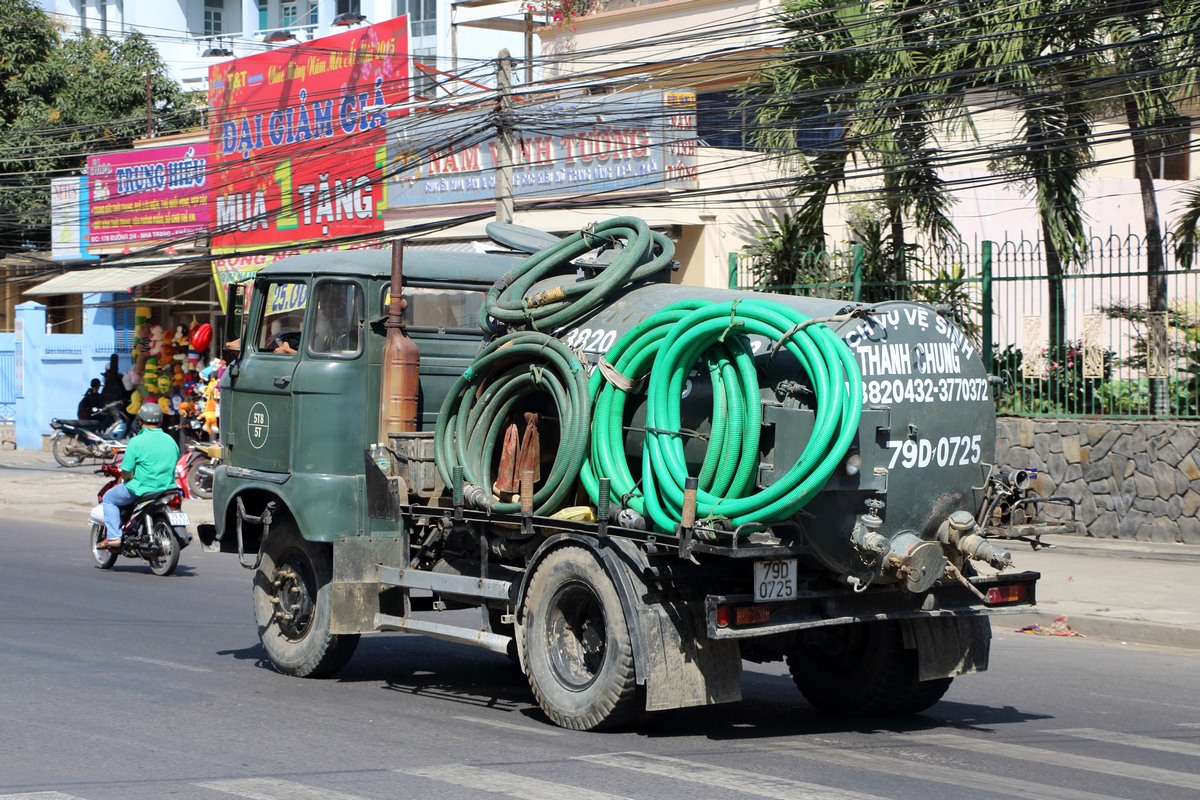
<point>1117,357</point>
<point>8,386</point>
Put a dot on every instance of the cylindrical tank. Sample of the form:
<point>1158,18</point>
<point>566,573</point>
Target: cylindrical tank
<point>401,367</point>
<point>926,441</point>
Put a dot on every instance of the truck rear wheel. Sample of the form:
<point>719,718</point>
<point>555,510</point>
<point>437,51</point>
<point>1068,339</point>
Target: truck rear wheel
<point>576,645</point>
<point>293,606</point>
<point>855,670</point>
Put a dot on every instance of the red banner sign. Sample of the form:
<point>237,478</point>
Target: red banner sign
<point>297,137</point>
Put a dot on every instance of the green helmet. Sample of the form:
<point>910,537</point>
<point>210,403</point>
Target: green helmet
<point>150,414</point>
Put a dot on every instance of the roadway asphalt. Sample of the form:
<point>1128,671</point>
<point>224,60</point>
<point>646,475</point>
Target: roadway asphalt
<point>1134,592</point>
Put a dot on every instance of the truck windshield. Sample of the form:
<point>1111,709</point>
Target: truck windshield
<point>282,323</point>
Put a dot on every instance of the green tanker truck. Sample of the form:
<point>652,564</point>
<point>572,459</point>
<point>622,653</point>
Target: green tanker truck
<point>634,485</point>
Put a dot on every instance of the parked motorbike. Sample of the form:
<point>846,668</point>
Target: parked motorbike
<point>74,440</point>
<point>195,469</point>
<point>153,530</point>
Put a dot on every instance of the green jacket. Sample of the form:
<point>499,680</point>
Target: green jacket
<point>151,457</point>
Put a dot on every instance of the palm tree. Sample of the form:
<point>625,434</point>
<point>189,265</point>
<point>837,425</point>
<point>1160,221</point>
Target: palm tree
<point>1038,57</point>
<point>1187,228</point>
<point>1155,47</point>
<point>857,94</point>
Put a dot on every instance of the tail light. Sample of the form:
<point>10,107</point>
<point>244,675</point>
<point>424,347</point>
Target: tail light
<point>999,595</point>
<point>752,615</point>
<point>742,615</point>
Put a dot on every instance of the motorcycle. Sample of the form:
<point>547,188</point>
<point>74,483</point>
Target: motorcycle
<point>74,440</point>
<point>196,467</point>
<point>153,530</point>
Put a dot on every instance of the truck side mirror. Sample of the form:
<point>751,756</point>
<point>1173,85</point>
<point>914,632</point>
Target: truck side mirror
<point>235,316</point>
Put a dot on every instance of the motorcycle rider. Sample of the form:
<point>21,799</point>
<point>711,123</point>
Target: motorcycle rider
<point>90,404</point>
<point>147,468</point>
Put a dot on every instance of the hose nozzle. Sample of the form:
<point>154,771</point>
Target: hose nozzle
<point>978,548</point>
<point>1018,479</point>
<point>958,531</point>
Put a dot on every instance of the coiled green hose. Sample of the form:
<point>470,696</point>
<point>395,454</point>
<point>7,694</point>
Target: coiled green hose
<point>508,302</point>
<point>666,346</point>
<point>472,417</point>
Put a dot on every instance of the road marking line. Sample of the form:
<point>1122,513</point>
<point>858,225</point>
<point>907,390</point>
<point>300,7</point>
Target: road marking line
<point>160,663</point>
<point>519,786</point>
<point>512,727</point>
<point>735,779</point>
<point>954,776</point>
<point>1132,740</point>
<point>40,796</point>
<point>1058,759</point>
<point>1188,724</point>
<point>272,789</point>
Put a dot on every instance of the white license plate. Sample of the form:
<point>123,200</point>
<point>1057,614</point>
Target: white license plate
<point>178,518</point>
<point>775,580</point>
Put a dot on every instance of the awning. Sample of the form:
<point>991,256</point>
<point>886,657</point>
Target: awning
<point>106,279</point>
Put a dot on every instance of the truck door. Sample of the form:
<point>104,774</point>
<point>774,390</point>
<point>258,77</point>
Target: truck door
<point>257,415</point>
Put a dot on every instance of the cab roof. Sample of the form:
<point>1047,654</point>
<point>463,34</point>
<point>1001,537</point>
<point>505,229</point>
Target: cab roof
<point>421,265</point>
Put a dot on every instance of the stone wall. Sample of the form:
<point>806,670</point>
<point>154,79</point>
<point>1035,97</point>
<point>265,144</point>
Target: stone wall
<point>1131,480</point>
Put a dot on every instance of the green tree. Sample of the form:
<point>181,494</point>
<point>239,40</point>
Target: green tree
<point>1155,47</point>
<point>64,98</point>
<point>26,38</point>
<point>860,86</point>
<point>1187,228</point>
<point>1038,58</point>
<point>781,255</point>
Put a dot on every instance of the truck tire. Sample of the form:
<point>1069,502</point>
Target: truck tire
<point>293,606</point>
<point>576,646</point>
<point>858,670</point>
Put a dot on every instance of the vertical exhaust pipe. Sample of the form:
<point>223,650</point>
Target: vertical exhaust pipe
<point>400,373</point>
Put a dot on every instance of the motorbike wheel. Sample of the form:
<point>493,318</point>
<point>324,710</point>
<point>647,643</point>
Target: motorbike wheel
<point>60,445</point>
<point>293,605</point>
<point>105,558</point>
<point>165,547</point>
<point>199,484</point>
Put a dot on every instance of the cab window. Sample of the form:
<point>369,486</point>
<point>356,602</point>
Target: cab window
<point>337,320</point>
<point>281,328</point>
<point>445,309</point>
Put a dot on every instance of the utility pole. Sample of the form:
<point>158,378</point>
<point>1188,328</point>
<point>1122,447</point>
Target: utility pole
<point>149,109</point>
<point>504,149</point>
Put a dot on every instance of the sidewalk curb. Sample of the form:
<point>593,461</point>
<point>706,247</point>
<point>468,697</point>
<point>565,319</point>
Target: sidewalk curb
<point>1111,629</point>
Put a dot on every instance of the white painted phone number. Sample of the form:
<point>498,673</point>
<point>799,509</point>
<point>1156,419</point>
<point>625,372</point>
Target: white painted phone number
<point>926,390</point>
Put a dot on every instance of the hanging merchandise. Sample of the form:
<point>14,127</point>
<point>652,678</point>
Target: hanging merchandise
<point>201,337</point>
<point>133,377</point>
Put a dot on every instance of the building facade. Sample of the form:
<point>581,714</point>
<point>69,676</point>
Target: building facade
<point>190,34</point>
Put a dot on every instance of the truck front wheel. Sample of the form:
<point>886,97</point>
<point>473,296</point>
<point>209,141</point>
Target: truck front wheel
<point>861,670</point>
<point>577,649</point>
<point>293,606</point>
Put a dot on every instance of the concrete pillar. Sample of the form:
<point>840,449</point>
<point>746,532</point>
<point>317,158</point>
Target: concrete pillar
<point>30,333</point>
